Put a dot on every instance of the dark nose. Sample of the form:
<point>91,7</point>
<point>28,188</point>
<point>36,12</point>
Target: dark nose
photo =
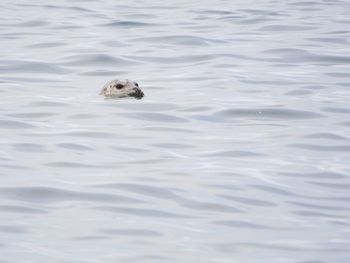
<point>138,93</point>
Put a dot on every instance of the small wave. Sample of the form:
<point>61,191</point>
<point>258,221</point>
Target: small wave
<point>142,212</point>
<point>284,28</point>
<point>239,224</point>
<point>240,154</point>
<point>131,232</point>
<point>32,115</point>
<point>145,106</point>
<point>329,136</point>
<point>322,148</point>
<point>21,209</point>
<point>128,24</point>
<point>155,117</point>
<point>172,145</point>
<point>71,165</point>
<point>75,146</point>
<point>43,194</point>
<point>30,23</point>
<point>248,201</point>
<point>11,229</point>
<point>34,67</point>
<point>174,60</point>
<point>207,206</point>
<point>336,109</point>
<point>29,147</point>
<point>320,176</point>
<point>7,124</point>
<point>180,40</point>
<point>147,190</point>
<point>95,59</point>
<point>293,55</point>
<point>267,114</point>
<point>48,104</point>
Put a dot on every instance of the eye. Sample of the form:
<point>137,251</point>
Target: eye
<point>119,86</point>
<point>136,84</point>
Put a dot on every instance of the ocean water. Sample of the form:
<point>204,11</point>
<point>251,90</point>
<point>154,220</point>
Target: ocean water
<point>239,151</point>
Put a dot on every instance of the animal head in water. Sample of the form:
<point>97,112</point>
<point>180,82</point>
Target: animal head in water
<point>121,88</point>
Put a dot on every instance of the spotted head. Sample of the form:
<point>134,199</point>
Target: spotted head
<point>121,88</point>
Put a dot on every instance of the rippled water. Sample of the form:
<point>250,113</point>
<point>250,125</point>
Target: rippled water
<point>238,153</point>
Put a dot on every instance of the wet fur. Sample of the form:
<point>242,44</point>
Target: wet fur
<point>121,88</point>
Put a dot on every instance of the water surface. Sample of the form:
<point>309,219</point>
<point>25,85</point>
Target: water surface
<point>239,151</point>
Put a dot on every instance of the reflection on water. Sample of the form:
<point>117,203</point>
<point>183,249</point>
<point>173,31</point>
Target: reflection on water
<point>238,152</point>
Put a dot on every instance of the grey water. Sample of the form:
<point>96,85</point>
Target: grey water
<point>239,151</point>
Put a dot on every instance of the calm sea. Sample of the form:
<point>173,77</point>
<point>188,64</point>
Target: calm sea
<point>239,152</point>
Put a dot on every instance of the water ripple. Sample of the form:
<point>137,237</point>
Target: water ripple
<point>239,152</point>
<point>239,224</point>
<point>152,213</point>
<point>131,232</point>
<point>95,59</point>
<point>9,124</point>
<point>128,24</point>
<point>52,195</point>
<point>32,67</point>
<point>156,117</point>
<point>321,148</point>
<point>268,114</point>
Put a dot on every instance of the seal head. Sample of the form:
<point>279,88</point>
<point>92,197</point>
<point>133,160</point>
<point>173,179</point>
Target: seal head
<point>121,88</point>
